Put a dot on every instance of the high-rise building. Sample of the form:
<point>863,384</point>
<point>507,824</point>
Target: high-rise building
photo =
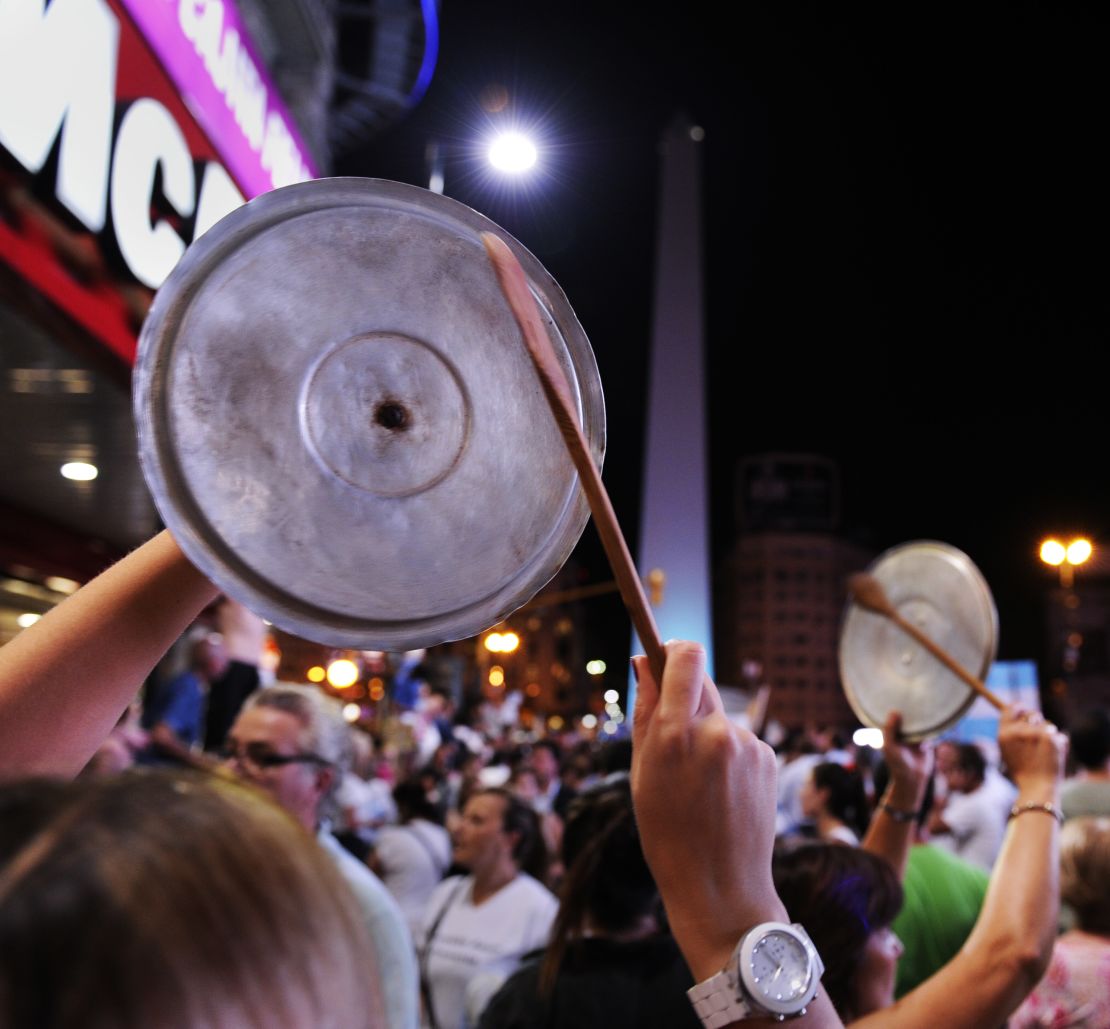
<point>782,594</point>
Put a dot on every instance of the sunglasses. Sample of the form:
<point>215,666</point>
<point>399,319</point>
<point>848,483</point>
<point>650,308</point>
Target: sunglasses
<point>259,755</point>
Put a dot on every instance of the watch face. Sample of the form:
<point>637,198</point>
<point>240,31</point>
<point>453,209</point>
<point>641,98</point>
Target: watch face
<point>780,969</point>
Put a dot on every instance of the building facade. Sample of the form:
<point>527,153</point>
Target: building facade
<point>782,592</point>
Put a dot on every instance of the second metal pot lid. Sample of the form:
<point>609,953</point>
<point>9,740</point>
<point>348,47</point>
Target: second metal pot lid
<point>939,589</point>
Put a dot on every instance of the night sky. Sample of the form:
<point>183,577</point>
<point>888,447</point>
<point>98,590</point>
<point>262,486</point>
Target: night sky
<point>905,216</point>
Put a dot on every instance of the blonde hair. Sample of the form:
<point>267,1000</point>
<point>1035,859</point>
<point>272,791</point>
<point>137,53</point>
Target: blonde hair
<point>176,901</point>
<point>1085,871</point>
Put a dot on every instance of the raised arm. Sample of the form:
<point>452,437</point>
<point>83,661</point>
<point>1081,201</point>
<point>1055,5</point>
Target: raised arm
<point>1009,948</point>
<point>891,831</point>
<point>65,680</point>
<point>704,794</point>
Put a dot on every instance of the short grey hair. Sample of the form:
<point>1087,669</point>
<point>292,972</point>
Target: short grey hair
<point>324,731</point>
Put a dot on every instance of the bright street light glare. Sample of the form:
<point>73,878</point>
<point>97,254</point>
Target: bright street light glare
<point>596,667</point>
<point>1079,551</point>
<point>1053,552</point>
<point>342,673</point>
<point>869,737</point>
<point>512,152</point>
<point>79,471</point>
<point>611,696</point>
<point>26,620</point>
<point>502,642</point>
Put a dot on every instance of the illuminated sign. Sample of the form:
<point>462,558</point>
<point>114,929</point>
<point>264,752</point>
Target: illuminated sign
<point>112,132</point>
<point>206,51</point>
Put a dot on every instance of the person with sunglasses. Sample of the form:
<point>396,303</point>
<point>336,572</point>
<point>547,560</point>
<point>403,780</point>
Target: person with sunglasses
<point>293,744</point>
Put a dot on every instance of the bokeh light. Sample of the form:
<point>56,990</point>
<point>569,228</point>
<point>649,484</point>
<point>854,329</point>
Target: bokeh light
<point>1079,550</point>
<point>1053,552</point>
<point>342,673</point>
<point>80,471</point>
<point>868,737</point>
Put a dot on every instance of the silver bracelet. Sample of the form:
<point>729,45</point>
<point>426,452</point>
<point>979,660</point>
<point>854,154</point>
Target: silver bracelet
<point>896,813</point>
<point>1048,809</point>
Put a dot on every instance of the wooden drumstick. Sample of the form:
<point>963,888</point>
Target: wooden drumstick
<point>868,592</point>
<point>557,390</point>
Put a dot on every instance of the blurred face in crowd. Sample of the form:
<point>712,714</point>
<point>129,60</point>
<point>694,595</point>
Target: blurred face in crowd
<point>546,766</point>
<point>480,839</point>
<point>211,657</point>
<point>264,747</point>
<point>946,757</point>
<point>809,798</point>
<point>876,972</point>
<point>525,785</point>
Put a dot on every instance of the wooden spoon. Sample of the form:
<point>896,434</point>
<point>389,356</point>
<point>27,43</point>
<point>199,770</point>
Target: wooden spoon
<point>557,390</point>
<point>868,592</point>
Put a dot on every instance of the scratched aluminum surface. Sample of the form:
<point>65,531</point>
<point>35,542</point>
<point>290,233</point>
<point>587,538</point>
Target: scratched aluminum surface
<point>939,589</point>
<point>339,422</point>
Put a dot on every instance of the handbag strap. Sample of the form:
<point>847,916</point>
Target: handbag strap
<point>425,951</point>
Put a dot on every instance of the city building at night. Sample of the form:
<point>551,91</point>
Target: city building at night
<point>782,588</point>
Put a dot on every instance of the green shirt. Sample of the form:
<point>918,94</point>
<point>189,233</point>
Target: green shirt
<point>943,898</point>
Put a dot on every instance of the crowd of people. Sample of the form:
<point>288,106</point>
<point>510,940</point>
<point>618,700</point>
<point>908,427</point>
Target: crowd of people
<point>293,874</point>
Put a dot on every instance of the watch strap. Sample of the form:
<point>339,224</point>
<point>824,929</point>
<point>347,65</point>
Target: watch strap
<point>717,1000</point>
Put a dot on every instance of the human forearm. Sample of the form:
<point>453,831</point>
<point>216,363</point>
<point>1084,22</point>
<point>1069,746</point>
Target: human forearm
<point>705,802</point>
<point>1012,940</point>
<point>65,680</point>
<point>891,831</point>
<point>1017,924</point>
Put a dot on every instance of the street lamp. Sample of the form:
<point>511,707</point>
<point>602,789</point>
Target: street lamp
<point>512,152</point>
<point>502,642</point>
<point>1066,557</point>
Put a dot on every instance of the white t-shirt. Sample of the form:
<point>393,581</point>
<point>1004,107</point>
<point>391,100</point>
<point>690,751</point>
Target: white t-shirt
<point>475,949</point>
<point>413,858</point>
<point>977,826</point>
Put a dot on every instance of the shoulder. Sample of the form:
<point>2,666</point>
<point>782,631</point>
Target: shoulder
<point>517,1003</point>
<point>842,834</point>
<point>534,902</point>
<point>369,890</point>
<point>928,860</point>
<point>394,952</point>
<point>453,886</point>
<point>532,890</point>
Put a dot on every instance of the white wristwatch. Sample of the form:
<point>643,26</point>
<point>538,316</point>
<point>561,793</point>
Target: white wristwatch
<point>772,973</point>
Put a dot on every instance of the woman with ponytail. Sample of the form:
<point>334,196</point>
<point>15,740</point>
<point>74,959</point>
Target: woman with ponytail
<point>478,926</point>
<point>833,798</point>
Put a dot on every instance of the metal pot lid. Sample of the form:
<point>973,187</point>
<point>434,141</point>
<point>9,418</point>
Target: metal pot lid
<point>939,589</point>
<point>340,424</point>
